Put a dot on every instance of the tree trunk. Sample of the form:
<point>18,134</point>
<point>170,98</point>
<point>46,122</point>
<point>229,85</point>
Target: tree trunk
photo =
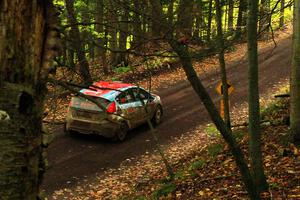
<point>77,43</point>
<point>183,53</point>
<point>171,12</point>
<point>295,76</point>
<point>230,15</point>
<point>70,53</point>
<point>137,26</point>
<point>198,15</point>
<point>123,56</point>
<point>25,53</point>
<point>209,19</point>
<point>222,64</point>
<point>281,22</point>
<point>155,23</point>
<point>112,32</point>
<point>146,21</point>
<point>86,34</point>
<point>240,25</point>
<point>99,27</point>
<point>185,19</point>
<point>217,120</point>
<point>253,99</point>
<point>265,19</point>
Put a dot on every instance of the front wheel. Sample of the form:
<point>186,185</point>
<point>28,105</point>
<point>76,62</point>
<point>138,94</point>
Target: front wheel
<point>121,134</point>
<point>157,117</point>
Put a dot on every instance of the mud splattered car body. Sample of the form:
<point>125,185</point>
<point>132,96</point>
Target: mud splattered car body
<point>125,109</point>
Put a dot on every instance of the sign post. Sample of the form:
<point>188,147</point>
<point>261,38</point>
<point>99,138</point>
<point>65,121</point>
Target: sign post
<point>220,90</point>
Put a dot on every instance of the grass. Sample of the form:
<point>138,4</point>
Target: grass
<point>212,131</point>
<point>164,190</point>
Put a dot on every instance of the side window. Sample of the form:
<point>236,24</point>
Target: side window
<point>125,97</point>
<point>141,94</point>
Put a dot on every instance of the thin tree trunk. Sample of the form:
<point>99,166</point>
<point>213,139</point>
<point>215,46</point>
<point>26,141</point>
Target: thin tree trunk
<point>295,76</point>
<point>137,26</point>
<point>146,22</point>
<point>77,43</point>
<point>155,24</point>
<point>99,27</point>
<point>198,20</point>
<point>240,20</point>
<point>185,19</point>
<point>281,22</point>
<point>222,64</point>
<point>171,12</point>
<point>112,32</point>
<point>253,99</point>
<point>230,14</point>
<point>264,21</point>
<point>208,34</point>
<point>86,35</point>
<point>123,58</point>
<point>26,52</point>
<point>70,53</point>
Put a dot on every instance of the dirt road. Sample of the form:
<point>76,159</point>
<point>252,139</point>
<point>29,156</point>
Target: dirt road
<point>74,159</point>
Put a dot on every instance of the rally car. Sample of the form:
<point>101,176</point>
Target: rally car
<point>126,107</point>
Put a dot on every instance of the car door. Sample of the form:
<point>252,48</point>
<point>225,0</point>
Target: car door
<point>145,100</point>
<point>130,109</point>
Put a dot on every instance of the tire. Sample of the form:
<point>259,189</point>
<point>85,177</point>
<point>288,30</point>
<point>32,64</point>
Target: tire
<point>157,117</point>
<point>122,133</point>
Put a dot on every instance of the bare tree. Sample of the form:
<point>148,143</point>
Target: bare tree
<point>253,98</point>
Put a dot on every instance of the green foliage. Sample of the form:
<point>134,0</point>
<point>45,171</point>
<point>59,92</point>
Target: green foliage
<point>122,70</point>
<point>238,135</point>
<point>273,108</point>
<point>140,198</point>
<point>212,131</point>
<point>270,109</point>
<point>215,149</point>
<point>288,14</point>
<point>133,198</point>
<point>197,165</point>
<point>114,79</point>
<point>179,175</point>
<point>274,186</point>
<point>164,190</point>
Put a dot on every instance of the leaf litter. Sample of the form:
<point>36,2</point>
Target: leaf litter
<point>199,175</point>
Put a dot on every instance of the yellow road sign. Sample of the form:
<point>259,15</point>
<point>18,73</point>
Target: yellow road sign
<point>219,88</point>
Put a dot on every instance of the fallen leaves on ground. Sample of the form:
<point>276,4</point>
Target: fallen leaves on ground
<point>204,168</point>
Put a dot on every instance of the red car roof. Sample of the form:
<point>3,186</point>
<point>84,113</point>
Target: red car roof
<point>106,92</point>
<point>112,85</point>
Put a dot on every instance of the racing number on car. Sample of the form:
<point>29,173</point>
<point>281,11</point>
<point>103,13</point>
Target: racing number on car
<point>130,110</point>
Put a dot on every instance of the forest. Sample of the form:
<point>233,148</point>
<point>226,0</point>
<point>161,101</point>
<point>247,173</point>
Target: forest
<point>238,142</point>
